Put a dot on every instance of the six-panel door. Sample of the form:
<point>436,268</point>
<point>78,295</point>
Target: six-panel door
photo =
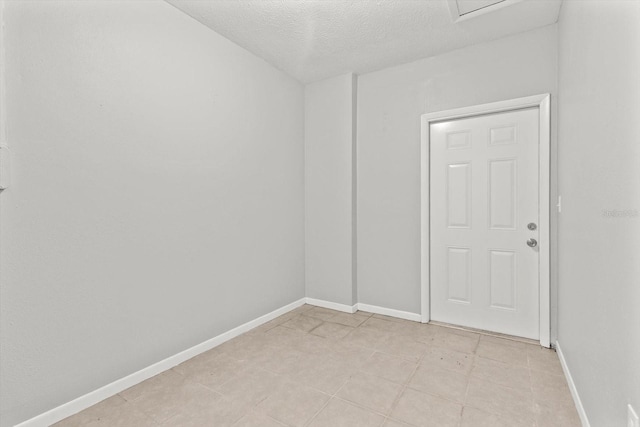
<point>484,194</point>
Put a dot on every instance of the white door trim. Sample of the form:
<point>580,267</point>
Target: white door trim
<point>542,102</point>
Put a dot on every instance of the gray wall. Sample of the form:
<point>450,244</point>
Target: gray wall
<point>599,134</point>
<point>330,190</point>
<point>390,103</point>
<point>157,194</point>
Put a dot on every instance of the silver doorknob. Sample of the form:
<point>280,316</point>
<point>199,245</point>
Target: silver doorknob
<point>532,243</point>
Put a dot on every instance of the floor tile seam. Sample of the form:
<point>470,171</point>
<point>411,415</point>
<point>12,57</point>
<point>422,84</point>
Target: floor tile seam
<point>399,356</point>
<point>466,396</point>
<point>502,361</point>
<point>342,324</point>
<point>565,401</point>
<point>324,405</point>
<point>394,404</point>
<point>361,406</point>
<point>429,367</point>
<point>559,374</point>
<point>113,416</point>
<point>473,353</point>
<point>401,422</point>
<point>334,395</point>
<point>360,371</point>
<point>501,415</point>
<point>293,328</point>
<point>478,356</point>
<point>432,394</point>
<point>480,332</point>
<point>489,380</point>
<point>314,415</point>
<point>142,395</point>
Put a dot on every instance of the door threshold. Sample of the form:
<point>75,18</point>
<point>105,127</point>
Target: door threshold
<point>483,332</point>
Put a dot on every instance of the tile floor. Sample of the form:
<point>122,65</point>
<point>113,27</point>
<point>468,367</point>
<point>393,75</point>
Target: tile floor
<point>318,367</point>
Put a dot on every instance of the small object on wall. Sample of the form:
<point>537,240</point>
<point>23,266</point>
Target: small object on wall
<point>4,167</point>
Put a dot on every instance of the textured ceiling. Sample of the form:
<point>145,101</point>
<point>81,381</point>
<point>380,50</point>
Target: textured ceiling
<point>316,39</point>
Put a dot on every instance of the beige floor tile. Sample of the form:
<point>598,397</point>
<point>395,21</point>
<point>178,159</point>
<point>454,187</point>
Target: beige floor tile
<point>327,376</point>
<point>289,373</point>
<point>159,382</point>
<point>114,411</point>
<point>489,339</point>
<point>272,323</point>
<point>392,368</point>
<point>314,344</point>
<point>351,353</point>
<point>244,345</point>
<point>501,373</point>
<point>353,320</point>
<point>457,340</point>
<point>547,386</point>
<point>302,323</point>
<point>381,325</point>
<point>472,417</point>
<point>440,382</point>
<point>162,404</point>
<point>363,313</point>
<point>371,392</point>
<point>393,319</point>
<point>258,355</point>
<point>448,359</point>
<point>559,413</point>
<point>282,360</point>
<point>544,359</point>
<point>128,417</point>
<point>425,410</point>
<point>219,413</point>
<point>339,413</point>
<point>302,309</point>
<point>503,353</point>
<point>502,401</point>
<point>420,332</point>
<point>321,313</point>
<point>454,330</point>
<point>281,336</point>
<point>251,387</point>
<point>332,330</point>
<point>180,420</point>
<point>257,420</point>
<point>293,404</point>
<point>394,423</point>
<point>402,346</point>
<point>211,372</point>
<point>363,337</point>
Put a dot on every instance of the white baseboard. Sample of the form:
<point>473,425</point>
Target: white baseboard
<point>390,312</point>
<point>365,307</point>
<point>83,402</point>
<point>332,305</point>
<point>572,388</point>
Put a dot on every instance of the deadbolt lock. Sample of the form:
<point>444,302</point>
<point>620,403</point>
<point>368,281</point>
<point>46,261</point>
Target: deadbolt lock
<point>532,226</point>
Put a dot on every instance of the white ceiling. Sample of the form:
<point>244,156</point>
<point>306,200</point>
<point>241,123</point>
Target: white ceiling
<point>316,39</point>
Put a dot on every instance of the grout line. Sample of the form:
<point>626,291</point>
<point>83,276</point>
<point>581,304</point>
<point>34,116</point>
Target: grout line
<point>486,333</point>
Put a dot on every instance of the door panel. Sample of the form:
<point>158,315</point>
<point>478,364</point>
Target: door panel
<point>484,192</point>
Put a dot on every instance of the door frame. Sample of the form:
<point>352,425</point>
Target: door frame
<point>542,102</point>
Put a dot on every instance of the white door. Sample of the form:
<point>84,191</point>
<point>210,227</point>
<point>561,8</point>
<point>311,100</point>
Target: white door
<point>483,213</point>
